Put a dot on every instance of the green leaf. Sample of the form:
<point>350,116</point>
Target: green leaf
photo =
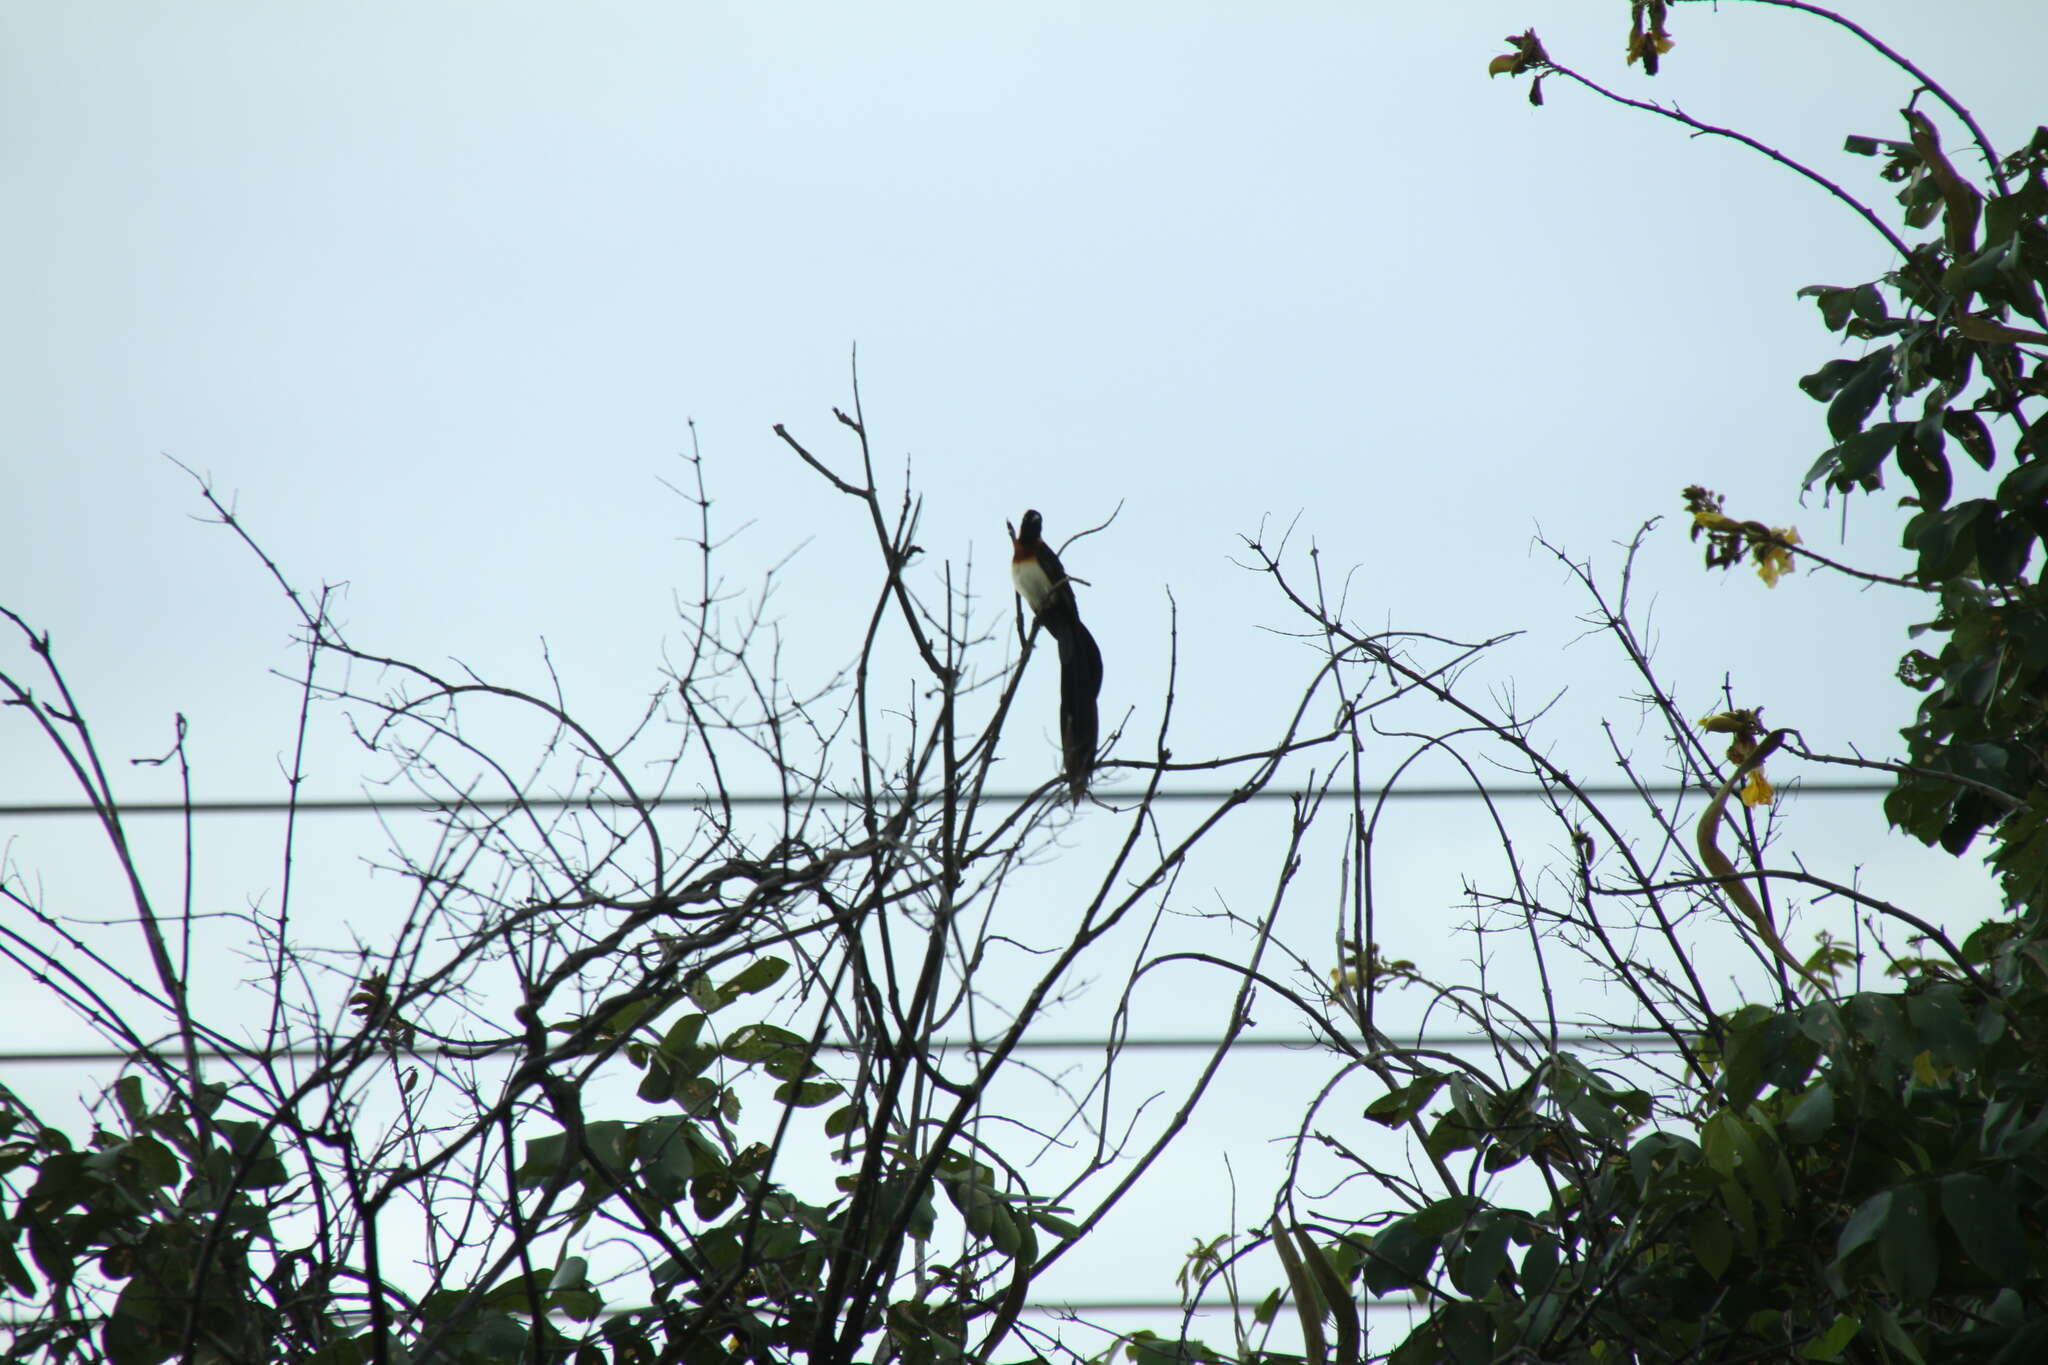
<point>1863,1225</point>
<point>1986,1222</point>
<point>1468,1337</point>
<point>1644,1158</point>
<point>1984,943</point>
<point>2034,439</point>
<point>578,1305</point>
<point>1835,304</point>
<point>808,1094</point>
<point>1830,1344</point>
<point>1539,1264</point>
<point>988,1214</point>
<point>758,975</point>
<point>2026,486</point>
<point>923,1217</point>
<point>1712,1243</point>
<point>1905,1249</point>
<point>1813,1115</point>
<point>681,1054</point>
<point>155,1163</point>
<point>1054,1224</point>
<point>2003,546</point>
<point>135,1332</point>
<point>1827,381</point>
<point>1921,460</point>
<point>544,1156</point>
<point>700,1096</point>
<point>842,1121</point>
<point>1149,1348</point>
<point>1941,1021</point>
<point>657,1086</point>
<point>1752,1049</point>
<point>513,1295</point>
<point>1868,301</point>
<point>670,1163</point>
<point>1982,271</point>
<point>776,1049</point>
<point>1483,1257</point>
<point>499,1337</point>
<point>1857,460</point>
<point>1751,1168</point>
<point>133,1099</point>
<point>346,1351</point>
<point>255,1152</point>
<point>1401,1254</point>
<point>1860,394</point>
<point>1404,1102</point>
<point>1922,201</point>
<point>681,1037</point>
<point>1942,539</point>
<point>1452,1132</point>
<point>2029,1343</point>
<point>711,1196</point>
<point>1790,1052</point>
<point>1971,434</point>
<point>606,1139</point>
<point>1894,1336</point>
<point>48,1249</point>
<point>626,1017</point>
<point>13,1273</point>
<point>1717,1142</point>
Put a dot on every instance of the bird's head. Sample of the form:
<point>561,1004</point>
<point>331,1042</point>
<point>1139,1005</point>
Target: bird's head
<point>1030,528</point>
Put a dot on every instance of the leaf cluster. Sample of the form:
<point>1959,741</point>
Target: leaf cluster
<point>1948,371</point>
<point>170,1204</point>
<point>1862,1178</point>
<point>1866,1180</point>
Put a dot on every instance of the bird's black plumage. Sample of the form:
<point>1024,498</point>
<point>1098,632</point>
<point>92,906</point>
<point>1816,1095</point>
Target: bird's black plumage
<point>1080,682</point>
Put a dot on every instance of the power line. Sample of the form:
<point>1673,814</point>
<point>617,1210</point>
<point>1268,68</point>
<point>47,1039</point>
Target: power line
<point>1646,1040</point>
<point>1055,1307</point>
<point>421,805</point>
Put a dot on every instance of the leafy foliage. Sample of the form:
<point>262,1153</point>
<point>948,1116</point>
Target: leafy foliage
<point>1944,368</point>
<point>607,1085</point>
<point>1943,318</point>
<point>180,1214</point>
<point>1865,1179</point>
<point>1859,1177</point>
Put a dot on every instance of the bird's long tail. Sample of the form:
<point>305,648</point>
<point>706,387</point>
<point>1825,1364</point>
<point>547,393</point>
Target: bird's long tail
<point>1080,681</point>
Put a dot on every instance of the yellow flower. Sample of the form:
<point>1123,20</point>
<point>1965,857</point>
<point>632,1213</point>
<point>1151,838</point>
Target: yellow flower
<point>1715,521</point>
<point>1641,43</point>
<point>1757,791</point>
<point>1774,556</point>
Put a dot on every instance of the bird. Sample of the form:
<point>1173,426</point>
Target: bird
<point>1040,577</point>
<point>1043,583</point>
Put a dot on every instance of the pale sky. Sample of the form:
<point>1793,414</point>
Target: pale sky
<point>433,291</point>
